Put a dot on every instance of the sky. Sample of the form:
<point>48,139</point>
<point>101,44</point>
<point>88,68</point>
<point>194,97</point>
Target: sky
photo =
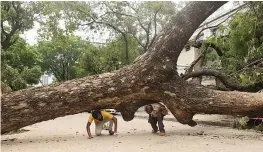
<point>31,35</point>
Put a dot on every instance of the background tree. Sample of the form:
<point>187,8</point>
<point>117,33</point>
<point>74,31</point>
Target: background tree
<point>20,66</point>
<point>140,20</point>
<point>147,20</point>
<point>61,56</point>
<point>100,59</point>
<point>19,61</point>
<point>16,17</point>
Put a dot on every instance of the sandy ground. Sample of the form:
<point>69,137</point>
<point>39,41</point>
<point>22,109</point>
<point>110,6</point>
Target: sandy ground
<point>68,134</point>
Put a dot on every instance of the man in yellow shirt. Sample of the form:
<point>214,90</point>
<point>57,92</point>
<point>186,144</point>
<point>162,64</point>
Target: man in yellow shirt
<point>101,117</point>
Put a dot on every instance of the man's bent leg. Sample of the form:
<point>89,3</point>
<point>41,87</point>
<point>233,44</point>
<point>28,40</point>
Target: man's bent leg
<point>98,128</point>
<point>153,124</point>
<point>160,124</point>
<point>110,127</point>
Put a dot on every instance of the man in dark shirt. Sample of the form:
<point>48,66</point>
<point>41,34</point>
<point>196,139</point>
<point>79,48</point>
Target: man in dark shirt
<point>156,113</point>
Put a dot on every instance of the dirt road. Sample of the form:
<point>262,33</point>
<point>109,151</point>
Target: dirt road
<point>68,134</point>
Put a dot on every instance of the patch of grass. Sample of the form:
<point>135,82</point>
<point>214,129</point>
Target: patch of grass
<point>240,123</point>
<point>259,127</point>
<point>246,123</point>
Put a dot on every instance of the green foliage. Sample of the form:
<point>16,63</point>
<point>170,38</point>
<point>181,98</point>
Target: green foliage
<point>18,59</point>
<point>32,75</point>
<point>245,123</point>
<point>8,74</point>
<point>132,26</point>
<point>60,17</point>
<point>240,123</point>
<point>116,49</point>
<point>19,65</point>
<point>92,62</point>
<point>107,58</point>
<point>61,56</point>
<point>18,83</point>
<point>242,43</point>
<point>21,55</point>
<point>259,127</point>
<point>19,80</point>
<point>16,17</point>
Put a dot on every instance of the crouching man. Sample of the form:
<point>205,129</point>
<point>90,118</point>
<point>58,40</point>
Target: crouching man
<point>100,118</point>
<point>156,113</point>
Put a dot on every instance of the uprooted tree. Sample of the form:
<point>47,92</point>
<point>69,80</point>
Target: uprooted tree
<point>151,78</point>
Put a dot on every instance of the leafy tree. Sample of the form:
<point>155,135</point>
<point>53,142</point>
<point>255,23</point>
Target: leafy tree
<point>61,56</point>
<point>16,17</point>
<point>19,60</point>
<point>61,17</point>
<point>141,20</point>
<point>20,66</point>
<point>148,19</point>
<point>242,44</point>
<point>99,59</point>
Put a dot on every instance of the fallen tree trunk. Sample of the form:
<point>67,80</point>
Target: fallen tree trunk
<point>151,78</point>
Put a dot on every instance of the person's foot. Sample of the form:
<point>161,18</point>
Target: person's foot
<point>111,132</point>
<point>162,133</point>
<point>154,131</point>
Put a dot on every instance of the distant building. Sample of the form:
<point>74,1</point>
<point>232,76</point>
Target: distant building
<point>45,80</point>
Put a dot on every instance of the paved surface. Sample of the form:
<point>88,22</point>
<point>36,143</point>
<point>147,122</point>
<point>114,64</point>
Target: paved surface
<point>68,134</point>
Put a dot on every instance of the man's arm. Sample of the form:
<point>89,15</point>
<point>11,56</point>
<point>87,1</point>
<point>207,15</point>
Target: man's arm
<point>115,124</point>
<point>150,118</point>
<point>88,130</point>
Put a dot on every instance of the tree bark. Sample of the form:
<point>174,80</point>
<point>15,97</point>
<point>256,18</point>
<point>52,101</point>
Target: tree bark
<point>199,65</point>
<point>220,85</point>
<point>151,78</point>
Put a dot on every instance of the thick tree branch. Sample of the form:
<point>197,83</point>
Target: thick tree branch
<point>146,30</point>
<point>226,81</point>
<point>136,38</point>
<point>140,23</point>
<point>190,69</point>
<point>2,28</point>
<point>198,44</point>
<point>155,26</point>
<point>15,26</point>
<point>148,34</point>
<point>168,46</point>
<point>215,47</point>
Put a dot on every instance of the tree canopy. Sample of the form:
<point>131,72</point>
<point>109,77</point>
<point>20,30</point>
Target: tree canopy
<point>59,51</point>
